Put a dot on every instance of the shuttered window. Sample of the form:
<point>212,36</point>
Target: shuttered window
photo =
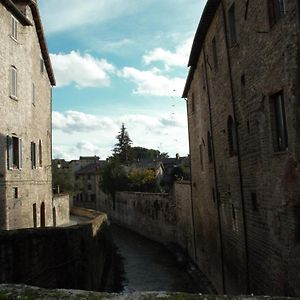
<point>14,153</point>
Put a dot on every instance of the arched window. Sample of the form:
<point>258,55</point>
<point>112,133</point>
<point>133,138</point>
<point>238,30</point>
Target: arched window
<point>232,137</point>
<point>209,147</point>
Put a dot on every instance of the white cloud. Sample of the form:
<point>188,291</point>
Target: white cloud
<point>84,71</point>
<point>153,83</point>
<point>73,134</point>
<point>74,121</point>
<point>179,58</point>
<point>77,13</point>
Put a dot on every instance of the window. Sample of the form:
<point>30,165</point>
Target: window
<point>13,82</point>
<point>209,147</point>
<point>33,94</point>
<point>14,153</point>
<point>232,137</point>
<point>33,155</point>
<point>89,177</point>
<point>15,193</point>
<point>279,130</point>
<point>14,28</point>
<point>40,154</point>
<point>89,187</point>
<point>201,156</point>
<point>232,24</point>
<point>42,65</point>
<point>215,55</point>
<point>276,10</point>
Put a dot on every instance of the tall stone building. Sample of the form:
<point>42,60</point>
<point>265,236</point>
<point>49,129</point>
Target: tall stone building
<point>25,127</point>
<point>243,101</point>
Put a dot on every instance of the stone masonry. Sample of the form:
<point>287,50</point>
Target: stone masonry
<point>25,127</point>
<point>243,103</point>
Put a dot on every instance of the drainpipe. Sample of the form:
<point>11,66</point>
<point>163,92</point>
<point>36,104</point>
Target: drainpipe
<point>238,149</point>
<point>192,202</point>
<point>215,175</point>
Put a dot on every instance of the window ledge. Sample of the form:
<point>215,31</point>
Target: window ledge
<point>14,97</point>
<point>279,153</point>
<point>13,38</point>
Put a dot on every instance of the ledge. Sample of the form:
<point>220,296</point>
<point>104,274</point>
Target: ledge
<point>9,292</point>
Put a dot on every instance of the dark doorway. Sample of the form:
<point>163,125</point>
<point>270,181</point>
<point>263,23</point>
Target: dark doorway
<point>43,215</point>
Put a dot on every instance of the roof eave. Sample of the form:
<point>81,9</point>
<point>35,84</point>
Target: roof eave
<point>204,24</point>
<point>16,12</point>
<point>42,41</point>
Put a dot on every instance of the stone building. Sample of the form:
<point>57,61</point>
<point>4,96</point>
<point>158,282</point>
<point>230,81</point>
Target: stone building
<point>243,102</point>
<point>25,128</point>
<point>89,194</point>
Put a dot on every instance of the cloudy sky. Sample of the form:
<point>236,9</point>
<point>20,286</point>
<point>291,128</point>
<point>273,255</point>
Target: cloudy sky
<point>119,61</point>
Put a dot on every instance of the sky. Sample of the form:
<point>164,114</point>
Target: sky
<point>117,62</point>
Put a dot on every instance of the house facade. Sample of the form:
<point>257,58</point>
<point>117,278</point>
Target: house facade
<point>243,102</point>
<point>89,194</point>
<point>25,128</point>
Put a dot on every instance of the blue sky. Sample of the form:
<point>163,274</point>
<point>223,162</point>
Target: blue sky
<point>119,61</point>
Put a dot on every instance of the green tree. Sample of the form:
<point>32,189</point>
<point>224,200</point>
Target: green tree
<point>141,153</point>
<point>122,150</point>
<point>143,181</point>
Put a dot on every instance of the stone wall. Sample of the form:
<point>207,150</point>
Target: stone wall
<point>28,121</point>
<point>165,218</point>
<point>77,257</point>
<point>152,215</point>
<point>61,209</point>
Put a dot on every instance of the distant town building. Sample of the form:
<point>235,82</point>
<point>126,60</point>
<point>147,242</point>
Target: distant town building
<point>243,102</point>
<point>89,194</point>
<point>25,127</point>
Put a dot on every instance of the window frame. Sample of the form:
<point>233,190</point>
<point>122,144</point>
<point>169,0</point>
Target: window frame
<point>13,82</point>
<point>276,10</point>
<point>14,28</point>
<point>33,155</point>
<point>14,153</point>
<point>278,122</point>
<point>232,25</point>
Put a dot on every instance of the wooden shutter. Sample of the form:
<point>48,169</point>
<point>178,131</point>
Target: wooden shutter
<point>9,152</point>
<point>20,154</point>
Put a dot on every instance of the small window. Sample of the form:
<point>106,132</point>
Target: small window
<point>33,94</point>
<point>40,154</point>
<point>14,28</point>
<point>14,153</point>
<point>276,9</point>
<point>13,82</point>
<point>209,147</point>
<point>232,136</point>
<point>89,187</point>
<point>215,54</point>
<point>279,129</point>
<point>15,193</point>
<point>232,24</point>
<point>89,177</point>
<point>201,156</point>
<point>42,65</point>
<point>33,155</point>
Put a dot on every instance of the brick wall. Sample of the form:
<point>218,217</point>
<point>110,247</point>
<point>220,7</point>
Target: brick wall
<point>245,205</point>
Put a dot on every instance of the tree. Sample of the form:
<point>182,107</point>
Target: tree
<point>142,153</point>
<point>122,150</point>
<point>143,181</point>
